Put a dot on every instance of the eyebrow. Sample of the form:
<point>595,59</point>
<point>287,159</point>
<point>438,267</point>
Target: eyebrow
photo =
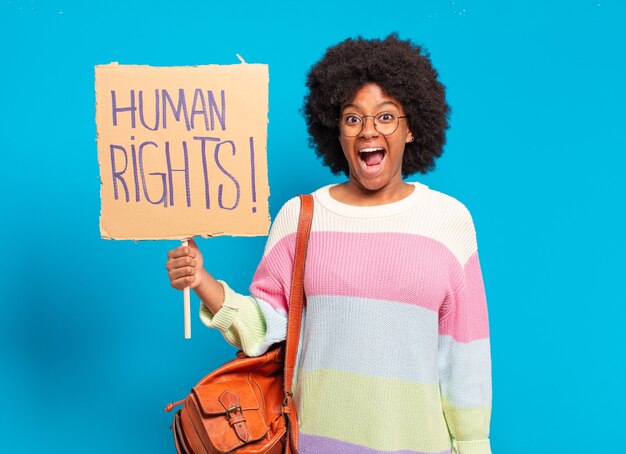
<point>378,106</point>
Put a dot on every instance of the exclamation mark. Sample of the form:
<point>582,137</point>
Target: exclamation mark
<point>252,173</point>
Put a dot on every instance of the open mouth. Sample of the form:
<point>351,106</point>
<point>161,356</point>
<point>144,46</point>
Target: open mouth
<point>372,156</point>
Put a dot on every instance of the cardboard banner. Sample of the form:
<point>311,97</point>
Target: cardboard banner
<point>182,150</point>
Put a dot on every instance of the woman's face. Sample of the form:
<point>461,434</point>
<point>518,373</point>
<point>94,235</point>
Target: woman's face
<point>374,159</point>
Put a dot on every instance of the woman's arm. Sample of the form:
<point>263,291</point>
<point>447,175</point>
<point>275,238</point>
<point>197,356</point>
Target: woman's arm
<point>464,354</point>
<point>237,317</point>
<point>252,323</point>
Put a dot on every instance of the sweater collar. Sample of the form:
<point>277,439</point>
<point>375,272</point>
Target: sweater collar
<point>323,197</point>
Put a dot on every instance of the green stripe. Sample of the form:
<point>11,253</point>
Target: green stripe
<point>467,423</point>
<point>380,413</point>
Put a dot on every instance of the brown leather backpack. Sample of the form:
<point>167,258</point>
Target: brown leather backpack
<point>246,405</point>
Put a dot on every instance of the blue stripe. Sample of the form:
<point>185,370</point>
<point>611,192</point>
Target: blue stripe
<point>371,337</point>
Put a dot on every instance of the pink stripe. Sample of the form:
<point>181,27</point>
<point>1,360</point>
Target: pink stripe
<point>398,267</point>
<point>468,319</point>
<point>272,279</point>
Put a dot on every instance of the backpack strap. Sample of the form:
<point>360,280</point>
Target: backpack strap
<point>296,303</point>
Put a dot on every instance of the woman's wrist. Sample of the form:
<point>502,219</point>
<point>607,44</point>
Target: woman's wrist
<point>210,292</point>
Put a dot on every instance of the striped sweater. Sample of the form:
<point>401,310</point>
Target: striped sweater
<point>394,353</point>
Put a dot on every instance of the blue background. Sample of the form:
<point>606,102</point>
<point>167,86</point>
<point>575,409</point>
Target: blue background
<point>91,334</point>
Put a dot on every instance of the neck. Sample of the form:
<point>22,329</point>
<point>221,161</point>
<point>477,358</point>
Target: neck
<point>352,192</point>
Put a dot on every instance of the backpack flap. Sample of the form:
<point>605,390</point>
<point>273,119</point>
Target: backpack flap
<point>231,413</point>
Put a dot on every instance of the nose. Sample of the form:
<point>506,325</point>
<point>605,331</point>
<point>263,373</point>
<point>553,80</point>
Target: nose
<point>369,128</point>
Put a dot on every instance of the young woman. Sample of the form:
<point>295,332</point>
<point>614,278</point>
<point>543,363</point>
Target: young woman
<point>394,353</point>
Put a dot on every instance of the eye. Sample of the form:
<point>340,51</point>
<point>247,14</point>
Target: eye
<point>385,117</point>
<point>351,119</point>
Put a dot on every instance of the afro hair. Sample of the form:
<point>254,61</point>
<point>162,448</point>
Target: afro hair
<point>403,70</point>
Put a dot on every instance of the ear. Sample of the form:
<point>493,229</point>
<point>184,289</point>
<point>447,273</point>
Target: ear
<point>409,137</point>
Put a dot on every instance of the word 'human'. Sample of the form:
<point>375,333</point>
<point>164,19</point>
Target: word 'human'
<point>154,112</point>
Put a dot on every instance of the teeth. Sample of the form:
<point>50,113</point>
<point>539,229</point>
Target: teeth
<point>370,150</point>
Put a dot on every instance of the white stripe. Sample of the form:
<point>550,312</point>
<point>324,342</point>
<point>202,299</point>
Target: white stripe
<point>435,215</point>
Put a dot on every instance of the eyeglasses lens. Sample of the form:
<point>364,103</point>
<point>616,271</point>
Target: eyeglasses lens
<point>385,123</point>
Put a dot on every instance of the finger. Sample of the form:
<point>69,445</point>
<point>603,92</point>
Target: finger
<point>186,250</point>
<point>180,262</point>
<point>180,251</point>
<point>182,282</point>
<point>186,271</point>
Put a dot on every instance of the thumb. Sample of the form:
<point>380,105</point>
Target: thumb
<point>196,250</point>
<point>192,244</point>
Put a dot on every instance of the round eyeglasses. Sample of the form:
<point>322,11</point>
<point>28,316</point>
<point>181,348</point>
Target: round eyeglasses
<point>386,123</point>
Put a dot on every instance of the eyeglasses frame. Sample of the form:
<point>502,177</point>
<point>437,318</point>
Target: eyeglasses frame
<point>373,117</point>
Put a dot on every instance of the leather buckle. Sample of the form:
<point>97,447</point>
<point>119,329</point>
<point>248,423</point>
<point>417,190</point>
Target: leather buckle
<point>234,414</point>
<point>234,408</point>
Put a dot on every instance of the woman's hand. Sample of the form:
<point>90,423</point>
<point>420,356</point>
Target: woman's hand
<point>184,266</point>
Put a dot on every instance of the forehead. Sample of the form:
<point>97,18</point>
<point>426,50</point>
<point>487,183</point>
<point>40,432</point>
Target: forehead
<point>371,96</point>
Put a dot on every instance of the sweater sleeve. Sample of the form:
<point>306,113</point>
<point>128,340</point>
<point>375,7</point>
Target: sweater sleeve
<point>255,322</point>
<point>464,351</point>
<point>239,320</point>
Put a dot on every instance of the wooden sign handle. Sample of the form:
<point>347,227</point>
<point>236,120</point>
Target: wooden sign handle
<point>187,306</point>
